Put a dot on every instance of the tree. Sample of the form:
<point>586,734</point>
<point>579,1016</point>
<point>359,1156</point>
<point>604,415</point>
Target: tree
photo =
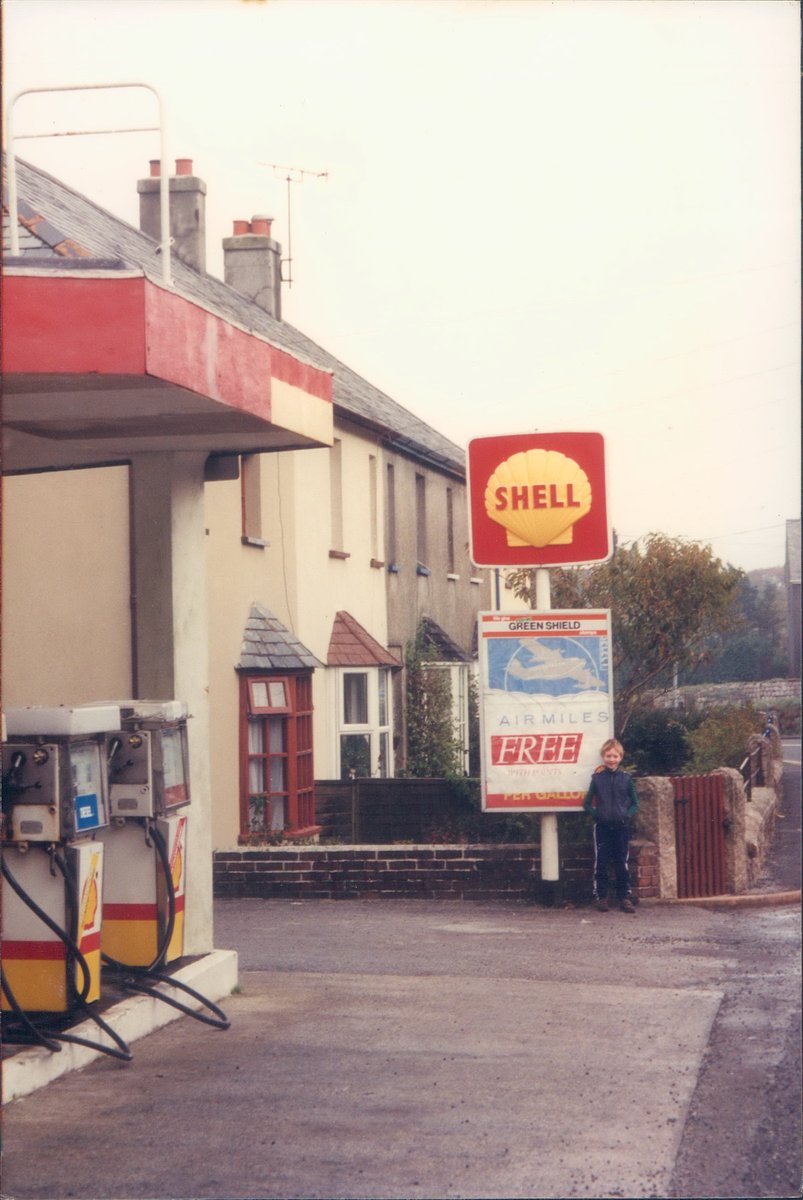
<point>755,648</point>
<point>666,595</point>
<point>433,751</point>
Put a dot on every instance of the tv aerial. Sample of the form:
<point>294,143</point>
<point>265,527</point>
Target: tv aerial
<point>291,175</point>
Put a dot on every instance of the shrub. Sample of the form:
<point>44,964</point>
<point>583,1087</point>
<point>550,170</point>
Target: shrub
<point>433,750</point>
<point>787,717</point>
<point>720,739</point>
<point>658,743</point>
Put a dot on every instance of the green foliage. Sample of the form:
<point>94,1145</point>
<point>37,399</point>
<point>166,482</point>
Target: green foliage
<point>474,764</point>
<point>720,738</point>
<point>433,751</point>
<point>667,595</point>
<point>658,743</point>
<point>756,647</point>
<point>787,713</point>
<point>690,741</point>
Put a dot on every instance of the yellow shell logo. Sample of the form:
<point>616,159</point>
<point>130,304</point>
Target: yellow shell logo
<point>177,868</point>
<point>537,496</point>
<point>90,903</point>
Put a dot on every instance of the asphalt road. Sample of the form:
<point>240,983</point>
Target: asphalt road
<point>742,1134</point>
<point>441,1049</point>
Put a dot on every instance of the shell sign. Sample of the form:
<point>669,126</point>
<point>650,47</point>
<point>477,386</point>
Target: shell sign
<point>538,500</point>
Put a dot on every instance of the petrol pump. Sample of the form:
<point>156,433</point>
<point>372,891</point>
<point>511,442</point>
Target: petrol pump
<point>146,843</point>
<point>146,850</point>
<point>54,806</point>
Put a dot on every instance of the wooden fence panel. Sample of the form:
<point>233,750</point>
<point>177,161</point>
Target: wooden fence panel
<point>374,811</point>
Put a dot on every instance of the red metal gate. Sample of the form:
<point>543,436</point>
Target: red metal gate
<point>700,834</point>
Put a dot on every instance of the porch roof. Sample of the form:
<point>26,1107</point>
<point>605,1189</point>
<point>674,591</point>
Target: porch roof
<point>353,646</point>
<point>268,645</point>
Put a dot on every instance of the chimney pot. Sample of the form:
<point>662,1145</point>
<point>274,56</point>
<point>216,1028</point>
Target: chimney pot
<point>156,168</point>
<point>184,166</point>
<point>241,227</point>
<point>261,225</point>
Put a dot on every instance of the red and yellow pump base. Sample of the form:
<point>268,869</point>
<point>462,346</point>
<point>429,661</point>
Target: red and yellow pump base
<point>135,899</point>
<point>35,959</point>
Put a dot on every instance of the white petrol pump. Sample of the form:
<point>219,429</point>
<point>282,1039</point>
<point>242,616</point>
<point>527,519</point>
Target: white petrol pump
<point>146,851</point>
<point>94,864</point>
<point>146,843</point>
<point>55,805</point>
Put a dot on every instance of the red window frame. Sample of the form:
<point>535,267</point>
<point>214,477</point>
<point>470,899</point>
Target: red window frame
<point>297,749</point>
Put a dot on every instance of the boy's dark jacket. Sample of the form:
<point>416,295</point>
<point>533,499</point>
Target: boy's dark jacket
<point>612,796</point>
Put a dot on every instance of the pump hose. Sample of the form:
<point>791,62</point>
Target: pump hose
<point>47,920</point>
<point>80,998</point>
<point>135,976</point>
<point>44,1036</point>
<point>221,1021</point>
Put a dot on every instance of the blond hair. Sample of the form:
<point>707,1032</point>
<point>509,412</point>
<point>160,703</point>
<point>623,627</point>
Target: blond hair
<point>612,744</point>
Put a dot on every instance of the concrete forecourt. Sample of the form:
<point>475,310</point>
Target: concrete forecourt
<point>402,1049</point>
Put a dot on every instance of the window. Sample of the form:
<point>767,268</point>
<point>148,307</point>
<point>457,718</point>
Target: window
<point>251,499</point>
<point>373,501</point>
<point>365,722</point>
<point>336,493</point>
<point>450,559</point>
<point>390,501</point>
<point>421,519</point>
<point>276,790</point>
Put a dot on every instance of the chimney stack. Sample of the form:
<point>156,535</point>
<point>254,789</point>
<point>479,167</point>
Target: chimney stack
<point>252,264</point>
<point>187,211</point>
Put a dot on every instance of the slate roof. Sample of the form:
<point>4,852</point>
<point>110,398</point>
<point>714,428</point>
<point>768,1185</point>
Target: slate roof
<point>100,235</point>
<point>270,646</point>
<point>438,640</point>
<point>352,646</point>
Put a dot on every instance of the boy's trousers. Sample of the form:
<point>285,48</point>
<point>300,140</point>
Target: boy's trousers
<point>611,841</point>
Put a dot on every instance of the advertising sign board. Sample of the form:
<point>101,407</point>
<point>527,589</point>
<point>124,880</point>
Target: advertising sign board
<point>547,706</point>
<point>538,499</point>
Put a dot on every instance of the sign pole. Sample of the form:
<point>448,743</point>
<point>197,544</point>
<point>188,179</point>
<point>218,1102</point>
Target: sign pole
<point>550,856</point>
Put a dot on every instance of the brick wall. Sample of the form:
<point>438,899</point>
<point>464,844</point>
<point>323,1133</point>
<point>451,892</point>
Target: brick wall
<point>415,872</point>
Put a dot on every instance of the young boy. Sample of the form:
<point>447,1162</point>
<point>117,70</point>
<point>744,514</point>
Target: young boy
<point>611,800</point>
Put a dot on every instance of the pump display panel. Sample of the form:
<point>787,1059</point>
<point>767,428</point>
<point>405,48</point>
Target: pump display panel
<point>148,770</point>
<point>53,791</point>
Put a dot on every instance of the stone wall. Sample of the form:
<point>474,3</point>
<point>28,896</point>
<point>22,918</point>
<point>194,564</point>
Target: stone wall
<point>763,693</point>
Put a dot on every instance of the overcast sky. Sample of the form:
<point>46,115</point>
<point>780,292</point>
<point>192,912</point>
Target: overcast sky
<point>535,215</point>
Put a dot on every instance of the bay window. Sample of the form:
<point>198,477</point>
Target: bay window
<point>365,725</point>
<point>276,789</point>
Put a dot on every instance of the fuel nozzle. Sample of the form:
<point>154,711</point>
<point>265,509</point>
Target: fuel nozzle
<point>11,783</point>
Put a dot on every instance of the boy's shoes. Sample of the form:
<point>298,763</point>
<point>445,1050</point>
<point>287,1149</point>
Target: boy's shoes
<point>627,906</point>
<point>602,906</point>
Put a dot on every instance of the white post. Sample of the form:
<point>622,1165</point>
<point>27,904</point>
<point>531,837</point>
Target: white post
<point>172,642</point>
<point>550,858</point>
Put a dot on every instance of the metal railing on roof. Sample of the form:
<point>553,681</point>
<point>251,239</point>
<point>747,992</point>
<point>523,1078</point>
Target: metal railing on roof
<point>164,191</point>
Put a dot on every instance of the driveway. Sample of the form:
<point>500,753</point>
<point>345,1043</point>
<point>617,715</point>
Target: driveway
<point>441,1049</point>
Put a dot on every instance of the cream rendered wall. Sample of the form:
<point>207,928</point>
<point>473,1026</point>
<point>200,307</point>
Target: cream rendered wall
<point>295,577</point>
<point>237,577</point>
<point>66,587</point>
<point>310,585</point>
